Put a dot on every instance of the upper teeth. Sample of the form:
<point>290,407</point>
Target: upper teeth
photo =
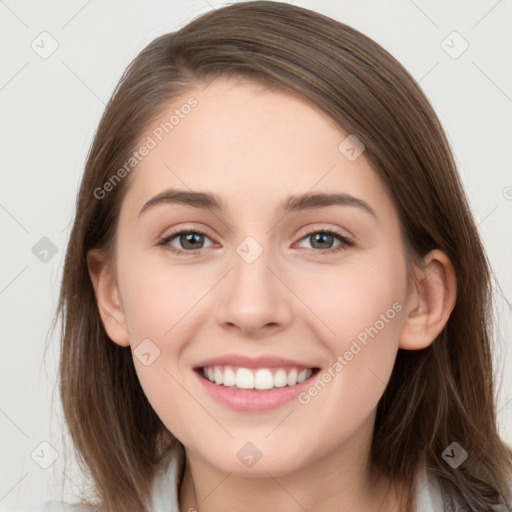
<point>245,378</point>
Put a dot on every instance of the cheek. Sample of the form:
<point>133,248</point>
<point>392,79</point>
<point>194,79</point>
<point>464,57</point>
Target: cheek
<point>361,311</point>
<point>155,297</point>
<point>356,298</point>
<point>354,310</point>
<point>156,300</point>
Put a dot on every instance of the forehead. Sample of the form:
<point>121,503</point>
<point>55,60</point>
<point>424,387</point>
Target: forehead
<point>250,145</point>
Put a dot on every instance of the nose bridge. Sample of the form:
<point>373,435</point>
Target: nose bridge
<point>253,297</point>
<point>251,277</point>
<point>253,260</point>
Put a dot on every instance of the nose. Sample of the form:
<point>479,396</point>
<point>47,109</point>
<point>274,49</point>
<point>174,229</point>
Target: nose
<point>254,298</point>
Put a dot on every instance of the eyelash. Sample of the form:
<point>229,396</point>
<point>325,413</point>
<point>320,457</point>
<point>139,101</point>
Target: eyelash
<point>345,242</point>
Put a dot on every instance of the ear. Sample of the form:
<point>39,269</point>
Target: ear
<point>430,302</point>
<point>108,298</point>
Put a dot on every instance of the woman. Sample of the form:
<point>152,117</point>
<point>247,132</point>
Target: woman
<point>256,372</point>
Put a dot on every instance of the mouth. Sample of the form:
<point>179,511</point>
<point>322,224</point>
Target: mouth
<point>253,384</point>
<point>240,378</point>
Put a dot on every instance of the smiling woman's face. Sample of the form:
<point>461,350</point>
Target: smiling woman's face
<point>263,284</point>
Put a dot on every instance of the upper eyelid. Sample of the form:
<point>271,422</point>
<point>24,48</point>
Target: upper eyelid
<point>337,230</point>
<point>314,226</point>
<point>174,234</point>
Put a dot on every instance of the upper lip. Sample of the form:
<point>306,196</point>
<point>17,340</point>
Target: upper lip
<point>265,361</point>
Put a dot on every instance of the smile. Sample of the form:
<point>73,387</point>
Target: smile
<point>253,384</point>
<point>260,379</point>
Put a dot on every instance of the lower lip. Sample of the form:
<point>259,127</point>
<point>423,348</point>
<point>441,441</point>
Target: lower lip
<point>250,401</point>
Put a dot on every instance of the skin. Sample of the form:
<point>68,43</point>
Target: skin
<point>253,147</point>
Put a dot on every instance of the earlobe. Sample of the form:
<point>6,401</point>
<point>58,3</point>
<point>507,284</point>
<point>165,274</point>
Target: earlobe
<point>108,298</point>
<point>430,302</point>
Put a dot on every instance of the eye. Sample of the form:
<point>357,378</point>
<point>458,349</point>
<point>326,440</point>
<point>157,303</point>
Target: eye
<point>324,238</point>
<point>191,241</point>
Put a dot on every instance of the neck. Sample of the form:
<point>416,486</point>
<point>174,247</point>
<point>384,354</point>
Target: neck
<point>337,481</point>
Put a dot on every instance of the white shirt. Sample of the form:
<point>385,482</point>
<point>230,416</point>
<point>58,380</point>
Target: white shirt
<point>429,497</point>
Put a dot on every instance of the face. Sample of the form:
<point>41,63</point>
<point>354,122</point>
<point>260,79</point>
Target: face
<point>268,295</point>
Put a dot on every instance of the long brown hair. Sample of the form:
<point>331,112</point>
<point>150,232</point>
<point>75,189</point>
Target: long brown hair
<point>438,395</point>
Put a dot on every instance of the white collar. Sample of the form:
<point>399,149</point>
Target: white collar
<point>427,493</point>
<point>167,481</point>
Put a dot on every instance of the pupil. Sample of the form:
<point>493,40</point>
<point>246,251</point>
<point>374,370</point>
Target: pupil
<point>320,237</point>
<point>189,238</point>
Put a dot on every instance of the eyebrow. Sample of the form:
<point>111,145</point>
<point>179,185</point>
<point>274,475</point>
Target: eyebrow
<point>293,203</point>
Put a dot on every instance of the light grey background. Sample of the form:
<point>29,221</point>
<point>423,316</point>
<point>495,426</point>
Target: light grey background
<point>50,110</point>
